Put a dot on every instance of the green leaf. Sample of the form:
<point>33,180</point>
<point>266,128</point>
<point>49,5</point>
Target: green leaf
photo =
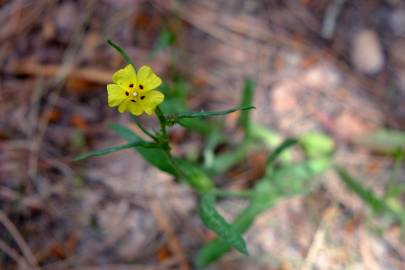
<point>387,141</point>
<point>265,196</point>
<point>122,52</point>
<point>175,95</point>
<point>213,139</point>
<point>155,156</point>
<point>176,101</point>
<point>270,139</point>
<point>390,206</point>
<point>287,143</point>
<point>194,176</point>
<point>108,150</point>
<point>317,145</point>
<point>366,194</point>
<point>166,39</point>
<point>295,179</point>
<point>197,125</point>
<point>211,252</point>
<point>246,101</point>
<point>190,173</point>
<point>223,162</point>
<point>135,119</point>
<point>214,221</point>
<point>288,180</point>
<point>174,118</point>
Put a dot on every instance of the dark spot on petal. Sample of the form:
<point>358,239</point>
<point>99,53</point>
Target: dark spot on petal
<point>142,97</point>
<point>131,85</point>
<point>126,93</point>
<point>133,100</point>
<point>141,86</point>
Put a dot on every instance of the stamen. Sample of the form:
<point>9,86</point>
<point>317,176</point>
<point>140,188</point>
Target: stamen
<point>133,100</point>
<point>131,85</point>
<point>126,93</point>
<point>141,86</point>
<point>142,97</point>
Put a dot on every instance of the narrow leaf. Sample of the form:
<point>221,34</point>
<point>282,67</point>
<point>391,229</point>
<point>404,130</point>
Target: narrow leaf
<point>194,176</point>
<point>214,221</point>
<point>190,173</point>
<point>367,195</point>
<point>298,179</point>
<point>386,141</point>
<point>174,118</point>
<point>155,156</point>
<point>223,162</point>
<point>266,194</point>
<point>122,52</point>
<point>108,150</point>
<point>215,249</point>
<point>379,206</point>
<point>246,101</point>
<point>166,39</point>
<point>287,143</point>
<point>317,144</point>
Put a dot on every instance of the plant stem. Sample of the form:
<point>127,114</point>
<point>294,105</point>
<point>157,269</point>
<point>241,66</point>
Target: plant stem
<point>163,124</point>
<point>165,142</point>
<point>135,119</point>
<point>233,193</point>
<point>122,52</point>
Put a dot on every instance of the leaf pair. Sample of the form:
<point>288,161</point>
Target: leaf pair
<point>289,179</point>
<point>159,158</point>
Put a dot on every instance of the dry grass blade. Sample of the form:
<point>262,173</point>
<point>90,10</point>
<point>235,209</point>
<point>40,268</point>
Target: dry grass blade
<point>22,244</point>
<point>23,67</point>
<point>164,224</point>
<point>14,255</point>
<point>329,216</point>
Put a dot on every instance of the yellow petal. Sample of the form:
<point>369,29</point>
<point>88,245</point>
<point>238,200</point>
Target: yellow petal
<point>135,108</point>
<point>151,100</point>
<point>116,95</point>
<point>148,79</point>
<point>125,76</point>
<point>123,106</point>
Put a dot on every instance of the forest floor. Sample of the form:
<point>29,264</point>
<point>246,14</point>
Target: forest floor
<point>317,66</point>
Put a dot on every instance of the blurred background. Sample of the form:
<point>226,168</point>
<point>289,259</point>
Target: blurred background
<point>335,66</point>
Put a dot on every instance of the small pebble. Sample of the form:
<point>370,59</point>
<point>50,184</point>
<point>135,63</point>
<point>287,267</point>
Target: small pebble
<point>367,53</point>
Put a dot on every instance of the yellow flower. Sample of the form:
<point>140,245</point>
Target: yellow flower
<point>134,92</point>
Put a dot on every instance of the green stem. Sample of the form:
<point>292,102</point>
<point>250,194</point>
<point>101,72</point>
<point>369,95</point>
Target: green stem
<point>184,115</point>
<point>122,52</point>
<point>165,142</point>
<point>233,193</point>
<point>135,119</point>
<point>163,124</point>
<point>393,176</point>
<point>179,171</point>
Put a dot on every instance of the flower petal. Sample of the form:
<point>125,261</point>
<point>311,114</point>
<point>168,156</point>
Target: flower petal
<point>125,76</point>
<point>116,95</point>
<point>135,108</point>
<point>123,106</point>
<point>151,100</point>
<point>148,79</point>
